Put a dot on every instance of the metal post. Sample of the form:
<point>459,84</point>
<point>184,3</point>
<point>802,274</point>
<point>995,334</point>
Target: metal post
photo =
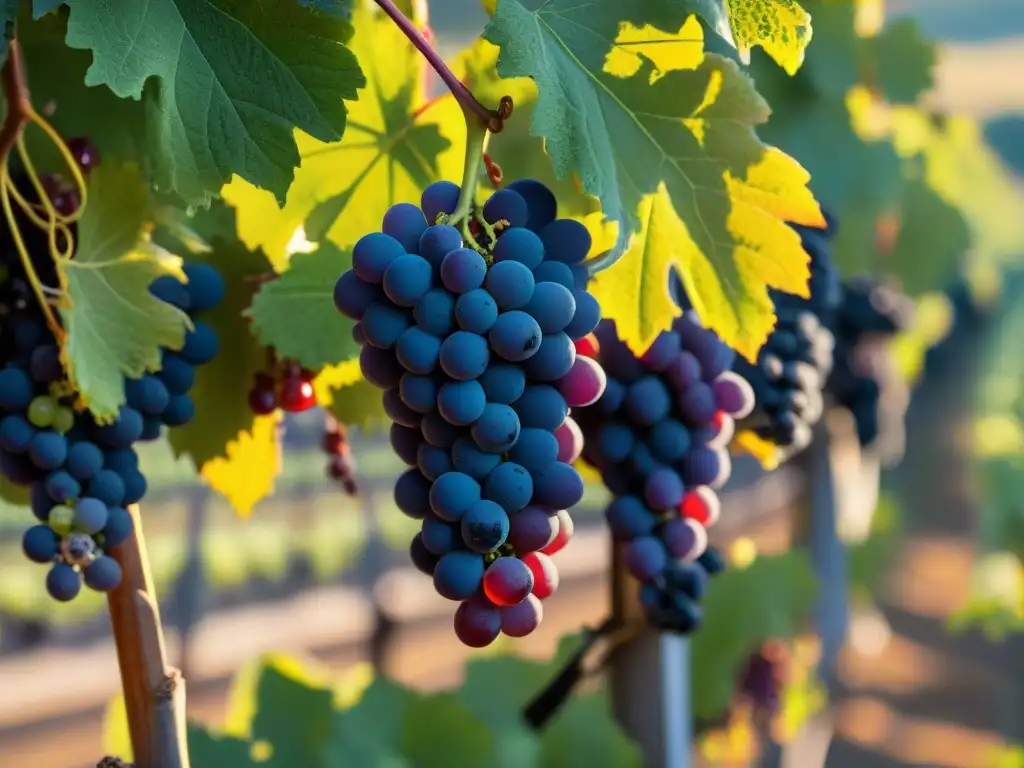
<point>661,724</point>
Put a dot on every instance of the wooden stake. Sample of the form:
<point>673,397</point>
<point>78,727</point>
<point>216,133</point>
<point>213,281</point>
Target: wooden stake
<point>154,693</point>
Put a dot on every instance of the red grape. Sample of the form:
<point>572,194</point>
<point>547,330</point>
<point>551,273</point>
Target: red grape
<point>565,529</point>
<point>477,622</point>
<point>584,384</point>
<point>570,441</point>
<point>587,346</point>
<point>508,581</point>
<point>545,574</point>
<point>523,618</point>
<point>297,394</point>
<point>701,504</point>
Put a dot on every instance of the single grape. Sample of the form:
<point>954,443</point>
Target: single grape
<point>515,336</point>
<point>435,312</point>
<point>733,394</point>
<point>134,486</point>
<point>497,429</point>
<point>458,574</point>
<point>380,367</point>
<point>383,324</point>
<point>461,402</point>
<point>586,317</point>
<point>648,401</point>
<point>408,279</point>
<point>477,622</point>
<point>535,449</point>
<point>147,394</point>
<point>119,527</point>
<point>663,490</point>
<point>521,246</point>
<point>206,287</point>
<point>701,504</point>
<point>552,306</point>
<point>476,311</point>
<point>507,581</point>
<point>40,544</point>
<point>464,355</point>
<point>564,535</point>
<point>103,575</point>
<point>463,270</point>
<point>583,384</point>
<point>663,351</point>
<point>433,461</point>
<point>405,442</point>
<point>569,437</point>
<point>418,351</point>
<point>439,431</point>
<point>523,618</point>
<point>697,404</point>
<point>540,202</point>
<point>541,406</point>
<point>177,374</point>
<point>439,536</point>
<point>646,557</point>
<point>484,526</point>
<point>48,450</point>
<point>423,559</point>
<point>503,383</point>
<point>124,431</point>
<point>629,518</point>
<point>439,197</point>
<point>683,371</point>
<point>353,295</point>
<point>419,392</point>
<point>181,409</point>
<point>412,494</point>
<point>545,574</point>
<point>558,486</point>
<point>109,487</point>
<point>41,411</point>
<point>398,411</point>
<point>508,206</point>
<point>437,242</point>
<point>553,359</point>
<point>531,529</point>
<point>63,421</point>
<point>45,365</point>
<point>90,515</point>
<point>16,391</point>
<point>684,538</point>
<point>63,582</point>
<point>16,433</point>
<point>470,459</point>
<point>406,223</point>
<point>511,284</point>
<point>555,272</point>
<point>201,344</point>
<point>61,486</point>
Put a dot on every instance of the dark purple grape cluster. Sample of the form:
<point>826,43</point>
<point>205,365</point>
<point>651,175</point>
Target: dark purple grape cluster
<point>795,362</point>
<point>865,379</point>
<point>658,435</point>
<point>472,343</point>
<point>81,475</point>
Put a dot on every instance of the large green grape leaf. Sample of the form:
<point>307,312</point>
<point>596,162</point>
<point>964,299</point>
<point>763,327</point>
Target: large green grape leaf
<point>901,60</point>
<point>295,313</point>
<point>293,716</point>
<point>209,750</point>
<point>114,326</point>
<point>236,452</point>
<point>932,239</point>
<point>396,143</point>
<point>233,78</point>
<point>771,598</point>
<point>664,137</point>
<point>370,732</point>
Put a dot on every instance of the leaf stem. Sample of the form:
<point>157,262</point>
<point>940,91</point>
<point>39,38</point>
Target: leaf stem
<point>492,118</point>
<point>14,87</point>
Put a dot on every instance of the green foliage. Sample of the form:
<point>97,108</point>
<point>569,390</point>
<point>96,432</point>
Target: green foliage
<point>8,15</point>
<point>115,326</point>
<point>771,598</point>
<point>233,78</point>
<point>643,117</point>
<point>284,714</point>
<point>901,61</point>
<point>295,313</point>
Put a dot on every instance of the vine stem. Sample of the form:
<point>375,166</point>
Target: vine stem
<point>14,86</point>
<point>492,118</point>
<point>154,692</point>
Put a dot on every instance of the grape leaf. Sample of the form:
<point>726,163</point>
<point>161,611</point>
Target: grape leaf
<point>295,313</point>
<point>116,127</point>
<point>396,144</point>
<point>209,750</point>
<point>224,429</point>
<point>294,716</point>
<point>42,7</point>
<point>439,731</point>
<point>8,15</point>
<point>770,598</point>
<point>573,739</point>
<point>340,8</point>
<point>246,474</point>
<point>901,60</point>
<point>370,732</point>
<point>115,326</point>
<point>662,135</point>
<point>359,405</point>
<point>781,27</point>
<point>234,78</point>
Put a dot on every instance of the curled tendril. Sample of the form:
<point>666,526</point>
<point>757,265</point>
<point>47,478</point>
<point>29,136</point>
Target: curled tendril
<point>42,214</point>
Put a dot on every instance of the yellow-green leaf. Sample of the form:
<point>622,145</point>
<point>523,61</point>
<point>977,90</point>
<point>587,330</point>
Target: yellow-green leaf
<point>396,143</point>
<point>246,475</point>
<point>115,326</point>
<point>781,27</point>
<point>663,135</point>
<point>223,416</point>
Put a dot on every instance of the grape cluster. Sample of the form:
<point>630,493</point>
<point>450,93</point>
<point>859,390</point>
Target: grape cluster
<point>288,386</point>
<point>82,475</point>
<point>794,364</point>
<point>764,677</point>
<point>474,350</point>
<point>866,379</point>
<point>658,435</point>
<point>340,463</point>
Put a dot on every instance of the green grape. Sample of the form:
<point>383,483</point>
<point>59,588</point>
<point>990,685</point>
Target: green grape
<point>61,519</point>
<point>41,411</point>
<point>63,420</point>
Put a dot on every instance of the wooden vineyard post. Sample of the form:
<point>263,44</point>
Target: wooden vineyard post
<point>154,693</point>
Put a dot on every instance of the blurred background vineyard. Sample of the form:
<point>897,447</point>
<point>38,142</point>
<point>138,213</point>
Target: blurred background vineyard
<point>316,571</point>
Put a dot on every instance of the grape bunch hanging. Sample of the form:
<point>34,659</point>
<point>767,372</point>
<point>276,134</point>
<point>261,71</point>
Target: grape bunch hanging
<point>866,379</point>
<point>474,350</point>
<point>82,475</point>
<point>658,435</point>
<point>794,364</point>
